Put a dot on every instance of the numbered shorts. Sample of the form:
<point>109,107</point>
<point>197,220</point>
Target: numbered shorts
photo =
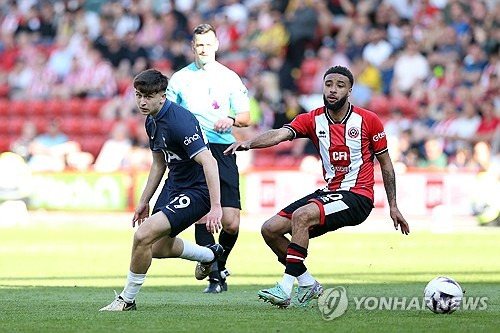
<point>229,176</point>
<point>183,207</point>
<point>337,209</point>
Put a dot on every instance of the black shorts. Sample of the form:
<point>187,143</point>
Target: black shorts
<point>229,176</point>
<point>337,209</point>
<point>183,207</point>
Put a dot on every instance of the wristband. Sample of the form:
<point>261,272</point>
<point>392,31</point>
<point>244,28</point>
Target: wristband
<point>233,118</point>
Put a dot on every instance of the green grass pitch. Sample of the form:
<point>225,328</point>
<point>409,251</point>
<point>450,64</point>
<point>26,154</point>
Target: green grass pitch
<point>55,278</point>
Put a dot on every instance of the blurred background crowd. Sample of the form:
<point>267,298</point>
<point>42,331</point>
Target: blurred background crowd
<point>428,68</point>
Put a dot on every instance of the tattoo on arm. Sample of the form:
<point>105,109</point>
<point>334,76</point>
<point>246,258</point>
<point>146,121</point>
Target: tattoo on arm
<point>390,184</point>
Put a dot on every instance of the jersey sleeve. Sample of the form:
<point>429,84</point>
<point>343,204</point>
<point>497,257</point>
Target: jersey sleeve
<point>376,134</point>
<point>238,98</point>
<point>173,92</point>
<point>191,137</point>
<point>300,126</point>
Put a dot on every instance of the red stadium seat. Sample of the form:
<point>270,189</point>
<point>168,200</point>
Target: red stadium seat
<point>5,142</point>
<point>19,108</point>
<point>4,90</point>
<point>72,125</point>
<point>75,106</point>
<point>55,107</point>
<point>309,67</point>
<point>40,123</point>
<point>4,124</point>
<point>380,105</point>
<point>37,107</point>
<point>93,144</point>
<point>92,107</point>
<point>4,106</point>
<point>16,125</point>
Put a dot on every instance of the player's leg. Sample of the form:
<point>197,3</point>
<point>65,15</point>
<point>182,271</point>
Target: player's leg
<point>273,231</point>
<point>230,202</point>
<point>152,229</point>
<point>302,219</point>
<point>227,239</point>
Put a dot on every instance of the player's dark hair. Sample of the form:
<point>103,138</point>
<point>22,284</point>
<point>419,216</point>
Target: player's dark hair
<point>150,81</point>
<point>340,70</point>
<point>203,29</point>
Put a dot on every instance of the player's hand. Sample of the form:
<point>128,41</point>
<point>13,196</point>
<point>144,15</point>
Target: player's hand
<point>214,219</point>
<point>223,125</point>
<point>399,221</point>
<point>237,146</point>
<point>141,214</point>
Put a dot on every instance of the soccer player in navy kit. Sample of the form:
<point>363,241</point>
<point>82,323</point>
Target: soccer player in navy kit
<point>347,139</point>
<point>190,192</point>
<point>213,93</point>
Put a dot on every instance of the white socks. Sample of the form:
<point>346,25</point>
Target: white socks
<point>195,252</point>
<point>134,283</point>
<point>287,283</point>
<point>305,279</point>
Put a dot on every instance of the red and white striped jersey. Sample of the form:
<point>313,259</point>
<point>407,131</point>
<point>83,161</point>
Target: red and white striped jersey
<point>347,148</point>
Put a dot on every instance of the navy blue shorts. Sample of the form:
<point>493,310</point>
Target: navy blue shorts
<point>183,207</point>
<point>337,209</point>
<point>229,176</point>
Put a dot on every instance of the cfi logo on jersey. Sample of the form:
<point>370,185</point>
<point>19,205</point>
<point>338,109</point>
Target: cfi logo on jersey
<point>353,132</point>
<point>340,156</point>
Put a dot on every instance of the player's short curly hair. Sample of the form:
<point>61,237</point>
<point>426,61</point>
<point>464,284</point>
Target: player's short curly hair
<point>150,81</point>
<point>340,70</point>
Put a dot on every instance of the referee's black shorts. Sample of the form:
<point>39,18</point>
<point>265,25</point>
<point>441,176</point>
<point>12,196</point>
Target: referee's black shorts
<point>229,176</point>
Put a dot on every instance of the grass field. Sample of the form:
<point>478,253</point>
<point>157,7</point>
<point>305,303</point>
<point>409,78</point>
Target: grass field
<point>54,278</point>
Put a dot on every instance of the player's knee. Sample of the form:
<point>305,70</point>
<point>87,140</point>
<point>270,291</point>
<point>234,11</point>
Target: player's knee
<point>232,229</point>
<point>267,231</point>
<point>142,237</point>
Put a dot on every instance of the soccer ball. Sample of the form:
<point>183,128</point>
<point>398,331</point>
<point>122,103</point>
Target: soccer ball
<point>443,295</point>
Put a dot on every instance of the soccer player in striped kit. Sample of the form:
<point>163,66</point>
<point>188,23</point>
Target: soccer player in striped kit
<point>347,139</point>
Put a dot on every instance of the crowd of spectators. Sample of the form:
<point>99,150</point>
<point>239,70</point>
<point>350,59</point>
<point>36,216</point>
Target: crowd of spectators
<point>429,68</point>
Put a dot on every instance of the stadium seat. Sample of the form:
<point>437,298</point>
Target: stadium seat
<point>55,107</point>
<point>40,123</point>
<point>72,125</point>
<point>4,124</point>
<point>92,107</point>
<point>309,67</point>
<point>93,144</point>
<point>37,107</point>
<point>74,106</point>
<point>239,66</point>
<point>380,105</point>
<point>4,90</point>
<point>19,108</point>
<point>4,106</point>
<point>16,125</point>
<point>4,143</point>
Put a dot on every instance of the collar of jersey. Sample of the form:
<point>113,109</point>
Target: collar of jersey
<point>344,120</point>
<point>163,110</point>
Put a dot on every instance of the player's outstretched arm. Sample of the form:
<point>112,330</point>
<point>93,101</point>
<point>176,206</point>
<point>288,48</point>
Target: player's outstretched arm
<point>155,175</point>
<point>267,139</point>
<point>389,178</point>
<point>211,171</point>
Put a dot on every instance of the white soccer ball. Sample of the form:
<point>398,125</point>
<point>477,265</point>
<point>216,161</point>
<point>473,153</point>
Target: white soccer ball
<point>443,295</point>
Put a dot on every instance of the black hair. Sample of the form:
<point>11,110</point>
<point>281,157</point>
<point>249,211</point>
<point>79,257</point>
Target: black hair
<point>340,70</point>
<point>203,29</point>
<point>150,81</point>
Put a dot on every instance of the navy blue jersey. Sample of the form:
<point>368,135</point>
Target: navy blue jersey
<point>176,132</point>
